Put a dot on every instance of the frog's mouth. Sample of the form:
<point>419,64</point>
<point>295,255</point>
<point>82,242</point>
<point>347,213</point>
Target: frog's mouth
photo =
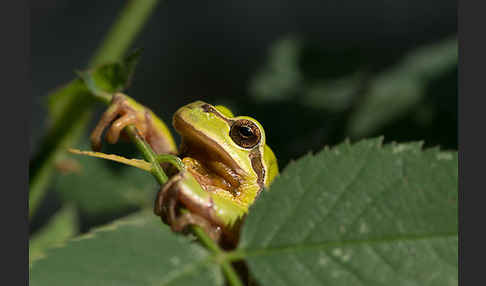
<point>210,164</point>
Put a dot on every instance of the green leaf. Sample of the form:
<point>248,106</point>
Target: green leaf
<point>68,110</point>
<point>112,77</point>
<point>137,250</point>
<point>98,189</point>
<point>396,90</point>
<point>62,226</point>
<point>362,214</point>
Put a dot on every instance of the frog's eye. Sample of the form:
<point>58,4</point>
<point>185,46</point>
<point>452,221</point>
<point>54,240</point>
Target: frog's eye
<point>245,133</point>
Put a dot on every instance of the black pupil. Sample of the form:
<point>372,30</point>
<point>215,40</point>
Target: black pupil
<point>245,131</point>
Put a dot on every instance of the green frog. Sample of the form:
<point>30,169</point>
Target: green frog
<point>226,158</point>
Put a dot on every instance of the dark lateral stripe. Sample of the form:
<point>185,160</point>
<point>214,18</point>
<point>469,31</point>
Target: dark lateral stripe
<point>257,165</point>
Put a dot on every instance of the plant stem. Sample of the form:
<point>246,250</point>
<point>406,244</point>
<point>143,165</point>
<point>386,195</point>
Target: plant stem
<point>228,269</point>
<point>231,275</point>
<point>76,113</point>
<point>148,154</point>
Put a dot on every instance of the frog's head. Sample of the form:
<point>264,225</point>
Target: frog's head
<point>229,147</point>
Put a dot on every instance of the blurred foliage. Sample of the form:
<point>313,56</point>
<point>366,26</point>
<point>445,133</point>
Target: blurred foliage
<point>67,106</point>
<point>103,189</point>
<point>70,105</point>
<point>62,226</point>
<point>307,98</point>
<point>93,186</point>
<point>402,87</point>
<point>68,109</point>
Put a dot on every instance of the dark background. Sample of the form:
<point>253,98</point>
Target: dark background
<point>211,51</point>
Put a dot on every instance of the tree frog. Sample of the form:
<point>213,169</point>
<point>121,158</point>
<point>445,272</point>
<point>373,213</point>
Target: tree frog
<point>227,162</point>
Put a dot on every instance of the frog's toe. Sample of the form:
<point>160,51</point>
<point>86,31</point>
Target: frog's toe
<point>127,115</point>
<point>115,129</point>
<point>166,194</point>
<point>113,111</point>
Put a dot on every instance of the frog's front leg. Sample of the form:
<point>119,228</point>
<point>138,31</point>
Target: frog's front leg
<point>179,190</point>
<point>217,215</point>
<point>124,111</point>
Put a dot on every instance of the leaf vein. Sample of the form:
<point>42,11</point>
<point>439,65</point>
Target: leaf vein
<point>338,199</point>
<point>241,253</point>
